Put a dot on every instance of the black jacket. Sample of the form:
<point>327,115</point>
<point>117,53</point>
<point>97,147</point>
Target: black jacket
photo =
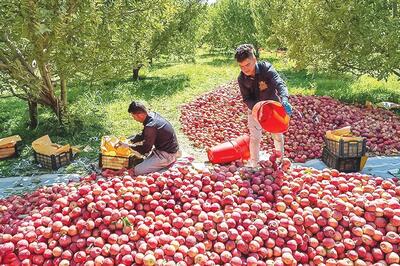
<point>157,132</point>
<point>250,86</point>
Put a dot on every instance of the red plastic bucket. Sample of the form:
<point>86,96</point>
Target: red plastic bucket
<point>272,116</point>
<point>230,151</point>
<point>243,143</point>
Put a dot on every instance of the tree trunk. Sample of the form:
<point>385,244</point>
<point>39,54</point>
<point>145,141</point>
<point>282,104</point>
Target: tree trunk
<point>256,50</point>
<point>48,96</point>
<point>64,98</point>
<point>33,114</point>
<point>64,93</point>
<point>61,110</point>
<point>135,73</point>
<point>396,72</point>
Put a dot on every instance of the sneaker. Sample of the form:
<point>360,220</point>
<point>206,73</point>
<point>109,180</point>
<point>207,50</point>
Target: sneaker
<point>251,167</point>
<point>94,168</point>
<point>251,164</point>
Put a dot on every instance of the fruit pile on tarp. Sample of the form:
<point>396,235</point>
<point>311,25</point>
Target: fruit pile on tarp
<point>221,115</point>
<point>209,216</point>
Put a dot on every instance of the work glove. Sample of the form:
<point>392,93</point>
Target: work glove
<point>287,106</point>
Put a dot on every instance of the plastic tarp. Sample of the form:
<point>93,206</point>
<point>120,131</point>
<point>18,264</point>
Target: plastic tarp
<point>15,185</point>
<point>383,166</point>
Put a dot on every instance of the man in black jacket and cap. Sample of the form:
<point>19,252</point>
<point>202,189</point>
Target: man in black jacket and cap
<point>259,81</point>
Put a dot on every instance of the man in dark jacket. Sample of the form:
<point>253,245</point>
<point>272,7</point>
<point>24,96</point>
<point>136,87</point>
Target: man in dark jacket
<point>259,81</point>
<point>157,137</point>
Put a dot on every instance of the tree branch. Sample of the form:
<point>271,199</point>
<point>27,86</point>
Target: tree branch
<point>352,68</point>
<point>396,72</point>
<point>8,96</point>
<point>22,97</point>
<point>150,7</point>
<point>3,66</point>
<point>3,57</point>
<point>19,54</point>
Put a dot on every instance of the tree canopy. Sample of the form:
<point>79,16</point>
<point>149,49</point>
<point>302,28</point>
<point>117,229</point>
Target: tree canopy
<point>361,37</point>
<point>229,24</point>
<point>46,44</point>
<point>357,36</point>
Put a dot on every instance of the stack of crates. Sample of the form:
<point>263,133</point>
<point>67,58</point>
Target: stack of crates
<point>9,151</point>
<point>9,147</point>
<point>345,156</point>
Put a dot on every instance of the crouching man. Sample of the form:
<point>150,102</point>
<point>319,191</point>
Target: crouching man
<point>157,137</point>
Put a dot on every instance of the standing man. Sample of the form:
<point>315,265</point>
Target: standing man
<point>157,133</point>
<point>259,81</point>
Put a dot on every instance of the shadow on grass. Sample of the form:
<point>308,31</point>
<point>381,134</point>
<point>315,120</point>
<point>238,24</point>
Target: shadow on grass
<point>296,78</point>
<point>152,87</point>
<point>162,64</point>
<point>323,84</point>
<point>117,82</point>
<point>87,118</point>
<point>345,89</point>
<point>271,60</point>
<point>13,114</point>
<point>219,62</point>
<point>342,88</point>
<point>213,54</point>
<point>146,87</point>
<point>380,95</point>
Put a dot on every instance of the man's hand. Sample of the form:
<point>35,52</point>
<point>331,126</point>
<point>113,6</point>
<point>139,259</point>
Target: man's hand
<point>127,145</point>
<point>134,144</point>
<point>122,144</point>
<point>287,106</point>
<point>138,155</point>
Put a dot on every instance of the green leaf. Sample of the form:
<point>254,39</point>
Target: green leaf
<point>42,28</point>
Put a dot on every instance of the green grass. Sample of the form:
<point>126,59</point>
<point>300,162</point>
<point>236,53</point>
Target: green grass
<point>101,109</point>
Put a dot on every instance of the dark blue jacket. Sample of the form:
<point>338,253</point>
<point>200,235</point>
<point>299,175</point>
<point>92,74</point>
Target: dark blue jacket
<point>250,86</point>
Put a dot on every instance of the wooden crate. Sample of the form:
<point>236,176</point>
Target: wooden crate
<point>9,151</point>
<point>117,162</point>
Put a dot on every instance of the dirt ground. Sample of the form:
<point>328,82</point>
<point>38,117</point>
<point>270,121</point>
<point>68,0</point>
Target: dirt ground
<point>187,149</point>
